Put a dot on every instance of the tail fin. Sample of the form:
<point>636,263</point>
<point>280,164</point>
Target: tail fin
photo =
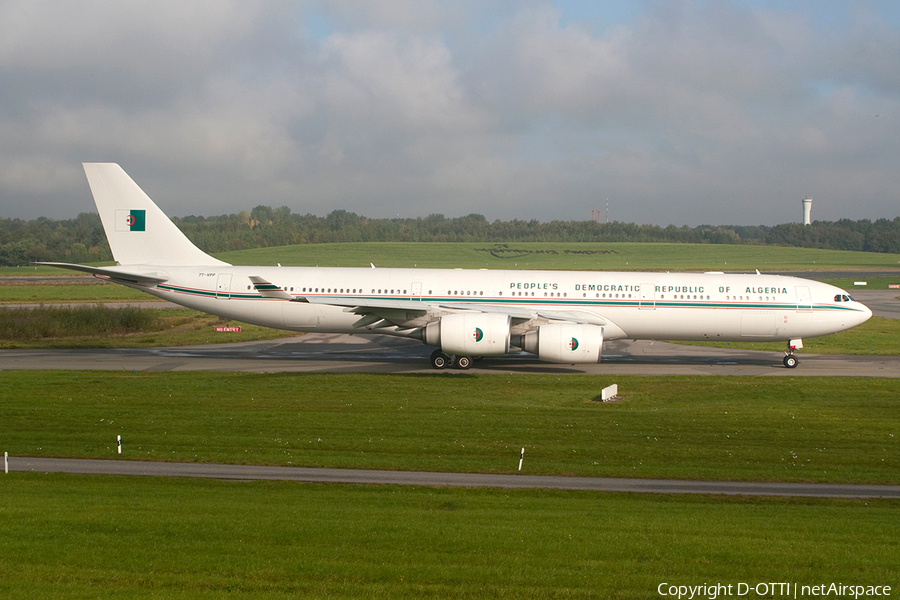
<point>139,233</point>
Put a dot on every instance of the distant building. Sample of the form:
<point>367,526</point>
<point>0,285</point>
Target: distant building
<point>807,208</point>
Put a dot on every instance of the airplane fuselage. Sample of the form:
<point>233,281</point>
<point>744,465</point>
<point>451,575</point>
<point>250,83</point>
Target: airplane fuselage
<point>634,305</point>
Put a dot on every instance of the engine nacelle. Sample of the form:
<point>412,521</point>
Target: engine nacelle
<point>565,343</point>
<point>470,334</point>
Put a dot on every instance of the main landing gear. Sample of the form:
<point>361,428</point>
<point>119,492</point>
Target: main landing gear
<point>439,360</point>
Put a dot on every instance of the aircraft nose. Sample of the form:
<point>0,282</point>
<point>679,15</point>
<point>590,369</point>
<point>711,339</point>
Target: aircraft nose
<point>865,313</point>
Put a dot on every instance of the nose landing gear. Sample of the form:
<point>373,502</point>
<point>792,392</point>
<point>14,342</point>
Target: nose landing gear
<point>791,361</point>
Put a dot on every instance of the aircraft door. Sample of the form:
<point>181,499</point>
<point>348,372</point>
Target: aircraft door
<point>648,296</point>
<point>223,286</point>
<point>804,302</point>
<point>416,290</point>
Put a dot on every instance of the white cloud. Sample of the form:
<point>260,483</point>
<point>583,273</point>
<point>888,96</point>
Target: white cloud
<point>713,111</point>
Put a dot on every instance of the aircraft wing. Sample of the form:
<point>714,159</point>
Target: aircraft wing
<point>114,274</point>
<point>415,313</point>
<point>407,314</point>
<point>583,317</point>
<point>363,303</point>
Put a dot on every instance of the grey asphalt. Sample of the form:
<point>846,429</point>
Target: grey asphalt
<point>419,478</point>
<point>335,353</point>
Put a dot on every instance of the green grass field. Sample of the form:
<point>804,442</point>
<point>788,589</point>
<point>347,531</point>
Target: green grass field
<point>532,255</point>
<point>66,292</point>
<point>839,430</point>
<point>127,537</point>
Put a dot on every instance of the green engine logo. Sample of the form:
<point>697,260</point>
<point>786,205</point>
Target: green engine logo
<point>573,344</point>
<point>477,334</point>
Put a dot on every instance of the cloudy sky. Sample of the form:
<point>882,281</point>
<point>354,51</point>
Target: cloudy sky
<point>683,112</point>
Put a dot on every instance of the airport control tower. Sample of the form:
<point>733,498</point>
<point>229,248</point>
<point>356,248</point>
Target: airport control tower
<point>807,208</point>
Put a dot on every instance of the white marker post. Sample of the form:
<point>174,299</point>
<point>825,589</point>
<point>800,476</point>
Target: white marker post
<point>6,462</point>
<point>119,440</point>
<point>521,458</point>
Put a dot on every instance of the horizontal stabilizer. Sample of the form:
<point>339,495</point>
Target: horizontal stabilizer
<point>114,274</point>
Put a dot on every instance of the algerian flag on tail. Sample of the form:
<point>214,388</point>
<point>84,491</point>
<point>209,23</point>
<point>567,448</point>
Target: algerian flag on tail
<point>131,220</point>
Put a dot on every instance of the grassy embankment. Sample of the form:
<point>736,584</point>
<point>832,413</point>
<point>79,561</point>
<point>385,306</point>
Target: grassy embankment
<point>580,256</point>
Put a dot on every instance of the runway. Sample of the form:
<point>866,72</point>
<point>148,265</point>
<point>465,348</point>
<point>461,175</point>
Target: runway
<point>420,478</point>
<point>335,353</point>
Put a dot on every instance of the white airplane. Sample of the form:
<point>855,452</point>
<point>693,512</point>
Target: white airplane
<point>561,316</point>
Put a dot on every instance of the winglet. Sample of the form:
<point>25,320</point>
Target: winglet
<point>115,274</point>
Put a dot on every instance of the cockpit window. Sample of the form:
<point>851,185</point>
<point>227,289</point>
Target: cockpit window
<point>843,298</point>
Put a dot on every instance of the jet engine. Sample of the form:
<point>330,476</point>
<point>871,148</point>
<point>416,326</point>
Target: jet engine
<point>470,334</point>
<point>565,343</point>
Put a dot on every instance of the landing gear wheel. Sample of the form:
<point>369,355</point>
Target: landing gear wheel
<point>463,362</point>
<point>790,361</point>
<point>439,360</point>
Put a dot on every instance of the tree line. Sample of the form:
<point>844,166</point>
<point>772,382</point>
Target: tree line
<point>82,239</point>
